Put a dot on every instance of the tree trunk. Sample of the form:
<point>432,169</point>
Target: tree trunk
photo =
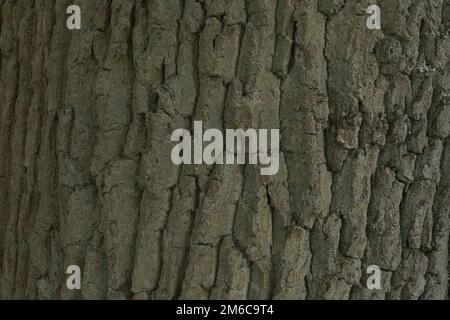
<point>85,171</point>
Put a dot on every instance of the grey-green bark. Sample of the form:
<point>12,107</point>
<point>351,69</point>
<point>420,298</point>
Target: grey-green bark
<point>85,170</point>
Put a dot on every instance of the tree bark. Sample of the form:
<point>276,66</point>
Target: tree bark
<point>86,177</point>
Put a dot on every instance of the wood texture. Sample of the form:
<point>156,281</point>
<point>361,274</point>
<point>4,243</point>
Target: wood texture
<point>85,170</point>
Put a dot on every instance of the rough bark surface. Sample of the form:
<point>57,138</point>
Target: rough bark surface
<point>86,177</point>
